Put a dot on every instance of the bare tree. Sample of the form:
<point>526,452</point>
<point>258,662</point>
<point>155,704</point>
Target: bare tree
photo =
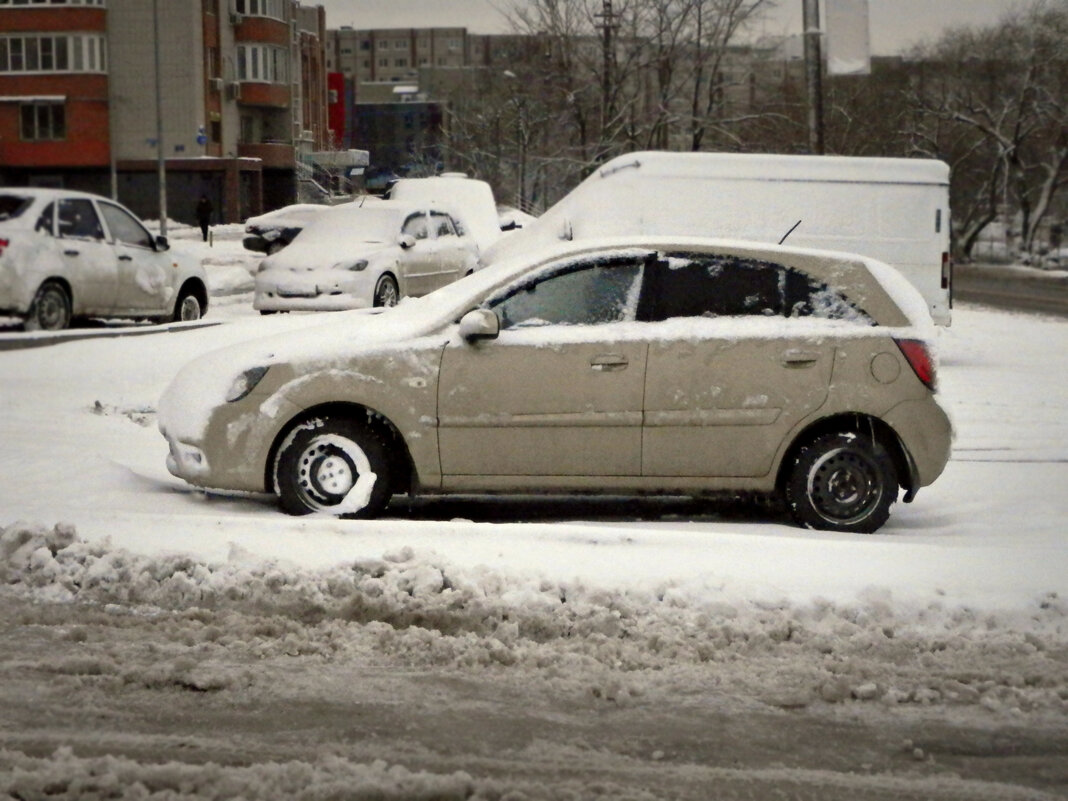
<point>1000,94</point>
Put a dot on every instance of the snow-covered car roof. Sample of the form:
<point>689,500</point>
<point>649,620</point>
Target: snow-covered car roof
<point>297,215</point>
<point>39,197</point>
<point>468,199</point>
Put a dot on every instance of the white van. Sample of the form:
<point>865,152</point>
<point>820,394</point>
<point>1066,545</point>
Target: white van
<point>894,210</point>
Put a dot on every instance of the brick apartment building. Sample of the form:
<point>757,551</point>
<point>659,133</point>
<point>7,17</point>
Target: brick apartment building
<point>243,100</point>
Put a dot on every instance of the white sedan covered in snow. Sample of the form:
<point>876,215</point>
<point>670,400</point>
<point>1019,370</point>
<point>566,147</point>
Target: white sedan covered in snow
<point>70,254</point>
<point>360,255</point>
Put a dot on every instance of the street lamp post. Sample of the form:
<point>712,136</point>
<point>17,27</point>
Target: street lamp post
<point>813,74</point>
<point>161,168</point>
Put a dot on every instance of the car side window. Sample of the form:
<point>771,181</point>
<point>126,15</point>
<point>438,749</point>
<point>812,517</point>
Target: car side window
<point>416,225</point>
<point>78,219</point>
<point>44,222</point>
<point>123,226</point>
<point>586,294</point>
<point>705,285</point>
<point>441,224</point>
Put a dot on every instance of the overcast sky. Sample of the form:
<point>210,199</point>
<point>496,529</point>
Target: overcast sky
<point>895,24</point>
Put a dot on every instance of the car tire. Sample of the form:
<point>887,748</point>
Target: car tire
<point>50,310</point>
<point>333,466</point>
<point>386,292</point>
<point>842,481</point>
<point>188,307</point>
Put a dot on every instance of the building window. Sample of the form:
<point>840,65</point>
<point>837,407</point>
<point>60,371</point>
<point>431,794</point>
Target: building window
<point>263,63</point>
<point>52,53</point>
<point>262,8</point>
<point>42,121</point>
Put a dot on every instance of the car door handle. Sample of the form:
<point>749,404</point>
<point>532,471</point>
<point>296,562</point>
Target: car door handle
<point>800,358</point>
<point>71,252</point>
<point>125,257</point>
<point>609,362</point>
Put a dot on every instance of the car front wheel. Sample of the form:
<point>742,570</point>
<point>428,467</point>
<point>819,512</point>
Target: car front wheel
<point>386,292</point>
<point>841,482</point>
<point>50,310</point>
<point>334,466</point>
<point>187,308</point>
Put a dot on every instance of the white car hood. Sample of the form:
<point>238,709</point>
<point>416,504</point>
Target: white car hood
<point>300,258</point>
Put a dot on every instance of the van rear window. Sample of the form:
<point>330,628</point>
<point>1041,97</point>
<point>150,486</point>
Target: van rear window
<point>11,206</point>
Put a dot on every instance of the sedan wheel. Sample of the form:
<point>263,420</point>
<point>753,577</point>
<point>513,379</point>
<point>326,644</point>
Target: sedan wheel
<point>187,308</point>
<point>50,310</point>
<point>333,466</point>
<point>386,292</point>
<point>842,482</point>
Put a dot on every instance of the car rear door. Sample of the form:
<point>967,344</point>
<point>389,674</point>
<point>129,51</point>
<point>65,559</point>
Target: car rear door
<point>90,262</point>
<point>727,377</point>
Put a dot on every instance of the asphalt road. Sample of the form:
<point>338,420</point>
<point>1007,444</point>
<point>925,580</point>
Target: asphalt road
<point>1012,288</point>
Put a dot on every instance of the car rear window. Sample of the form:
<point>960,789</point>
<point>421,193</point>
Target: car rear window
<point>11,206</point>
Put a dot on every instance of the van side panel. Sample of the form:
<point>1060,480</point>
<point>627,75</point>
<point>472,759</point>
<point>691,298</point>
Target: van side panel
<point>894,210</point>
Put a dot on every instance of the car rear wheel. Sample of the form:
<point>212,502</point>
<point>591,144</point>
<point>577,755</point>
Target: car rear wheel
<point>386,292</point>
<point>188,307</point>
<point>334,466</point>
<point>50,310</point>
<point>842,482</point>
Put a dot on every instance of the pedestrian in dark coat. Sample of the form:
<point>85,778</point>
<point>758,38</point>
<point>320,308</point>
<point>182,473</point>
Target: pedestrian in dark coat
<point>204,210</point>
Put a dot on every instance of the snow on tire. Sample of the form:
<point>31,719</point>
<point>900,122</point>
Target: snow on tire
<point>333,466</point>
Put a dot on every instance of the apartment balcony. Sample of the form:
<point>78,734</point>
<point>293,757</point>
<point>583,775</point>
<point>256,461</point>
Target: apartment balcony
<point>261,30</point>
<point>270,154</point>
<point>253,93</point>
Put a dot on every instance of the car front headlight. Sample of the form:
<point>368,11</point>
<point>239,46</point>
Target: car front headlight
<point>245,383</point>
<point>354,266</point>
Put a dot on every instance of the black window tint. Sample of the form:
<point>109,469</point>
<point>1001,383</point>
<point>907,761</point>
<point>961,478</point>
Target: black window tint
<point>587,295</point>
<point>11,206</point>
<point>44,222</point>
<point>703,285</point>
<point>715,286</point>
<point>77,218</point>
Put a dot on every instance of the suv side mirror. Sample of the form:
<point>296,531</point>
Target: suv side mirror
<point>406,241</point>
<point>479,324</point>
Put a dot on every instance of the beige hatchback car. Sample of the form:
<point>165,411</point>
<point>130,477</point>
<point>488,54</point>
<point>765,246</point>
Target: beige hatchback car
<point>677,366</point>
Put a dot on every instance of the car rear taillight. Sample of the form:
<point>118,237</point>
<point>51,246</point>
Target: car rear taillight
<point>919,358</point>
<point>3,244</point>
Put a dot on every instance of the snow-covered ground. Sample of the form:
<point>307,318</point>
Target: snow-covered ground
<point>959,602</point>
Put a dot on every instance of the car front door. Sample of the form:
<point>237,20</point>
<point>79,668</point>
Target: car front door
<point>146,276</point>
<point>558,394</point>
<point>415,263</point>
<point>727,378</point>
<point>90,262</point>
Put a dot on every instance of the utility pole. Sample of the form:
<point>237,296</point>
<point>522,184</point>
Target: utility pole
<point>161,167</point>
<point>608,26</point>
<point>813,74</point>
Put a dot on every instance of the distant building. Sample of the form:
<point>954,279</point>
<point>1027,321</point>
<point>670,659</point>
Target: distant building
<point>244,99</point>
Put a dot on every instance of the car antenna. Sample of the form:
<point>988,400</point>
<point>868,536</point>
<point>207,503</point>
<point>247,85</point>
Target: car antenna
<point>792,228</point>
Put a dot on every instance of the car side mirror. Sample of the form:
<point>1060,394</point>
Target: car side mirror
<point>162,243</point>
<point>406,241</point>
<point>479,324</point>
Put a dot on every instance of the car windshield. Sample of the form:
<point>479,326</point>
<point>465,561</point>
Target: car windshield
<point>366,224</point>
<point>11,206</point>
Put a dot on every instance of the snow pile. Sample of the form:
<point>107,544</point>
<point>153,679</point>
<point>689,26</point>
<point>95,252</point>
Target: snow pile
<point>421,610</point>
<point>66,776</point>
